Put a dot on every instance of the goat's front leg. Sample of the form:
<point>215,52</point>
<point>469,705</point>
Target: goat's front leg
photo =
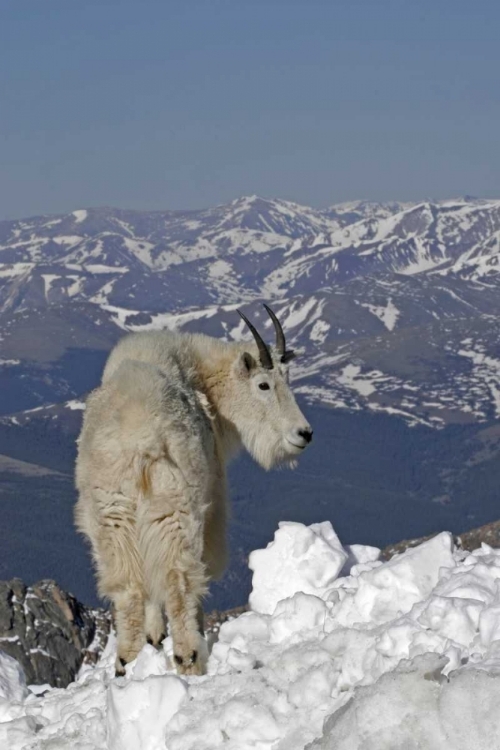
<point>214,533</point>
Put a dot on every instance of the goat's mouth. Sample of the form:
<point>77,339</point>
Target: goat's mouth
<point>297,446</point>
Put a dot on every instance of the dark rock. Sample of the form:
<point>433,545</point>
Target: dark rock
<point>49,632</point>
<point>469,540</point>
<point>213,620</point>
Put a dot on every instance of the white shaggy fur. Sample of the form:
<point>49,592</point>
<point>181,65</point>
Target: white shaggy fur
<point>157,434</point>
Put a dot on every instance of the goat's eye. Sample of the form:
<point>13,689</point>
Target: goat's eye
<point>264,386</point>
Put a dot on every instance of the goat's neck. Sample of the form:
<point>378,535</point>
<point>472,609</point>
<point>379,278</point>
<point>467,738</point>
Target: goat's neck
<point>215,382</point>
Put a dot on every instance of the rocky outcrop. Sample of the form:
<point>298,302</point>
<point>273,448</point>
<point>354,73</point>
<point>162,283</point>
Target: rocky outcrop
<point>49,632</point>
<point>469,540</point>
<point>216,618</point>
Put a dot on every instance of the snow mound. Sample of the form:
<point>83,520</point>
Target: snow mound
<point>338,652</point>
<point>12,683</point>
<point>301,558</point>
<point>413,708</point>
<point>139,711</point>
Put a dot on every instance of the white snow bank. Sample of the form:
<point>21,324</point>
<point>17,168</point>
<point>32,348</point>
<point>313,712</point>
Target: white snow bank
<point>413,707</point>
<point>402,654</point>
<point>384,592</point>
<point>301,558</point>
<point>139,711</point>
<point>12,683</point>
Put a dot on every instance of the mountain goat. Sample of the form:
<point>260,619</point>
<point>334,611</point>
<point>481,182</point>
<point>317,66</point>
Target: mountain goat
<point>171,411</point>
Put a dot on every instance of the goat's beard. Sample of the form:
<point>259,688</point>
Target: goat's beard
<point>286,463</point>
<point>270,454</point>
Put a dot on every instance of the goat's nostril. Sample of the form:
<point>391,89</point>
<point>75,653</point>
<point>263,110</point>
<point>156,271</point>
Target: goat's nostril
<point>306,434</point>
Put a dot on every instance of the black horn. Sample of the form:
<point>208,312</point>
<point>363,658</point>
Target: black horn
<point>264,354</point>
<point>285,355</point>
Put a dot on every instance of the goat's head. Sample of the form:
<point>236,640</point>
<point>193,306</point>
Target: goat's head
<point>270,424</point>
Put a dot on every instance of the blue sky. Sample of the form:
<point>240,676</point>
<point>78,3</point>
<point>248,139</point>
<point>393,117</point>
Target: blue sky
<point>158,104</point>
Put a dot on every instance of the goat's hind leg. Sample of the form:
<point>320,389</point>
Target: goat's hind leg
<point>120,578</point>
<point>155,626</point>
<point>171,542</point>
<point>185,616</point>
<point>129,624</point>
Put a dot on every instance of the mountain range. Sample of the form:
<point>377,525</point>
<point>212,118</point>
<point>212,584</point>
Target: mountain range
<point>392,307</point>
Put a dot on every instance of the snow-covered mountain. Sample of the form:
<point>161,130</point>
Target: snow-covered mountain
<point>351,283</point>
<point>250,247</point>
<point>392,306</point>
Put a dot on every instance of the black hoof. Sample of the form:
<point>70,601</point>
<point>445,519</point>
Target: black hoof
<point>192,659</point>
<point>158,642</point>
<point>120,670</point>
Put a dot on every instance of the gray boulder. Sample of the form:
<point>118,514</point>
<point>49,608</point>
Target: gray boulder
<point>49,632</point>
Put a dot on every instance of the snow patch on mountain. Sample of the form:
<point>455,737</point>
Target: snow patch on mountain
<point>16,269</point>
<point>75,404</point>
<point>80,215</point>
<point>220,269</point>
<point>352,378</point>
<point>70,241</point>
<point>319,331</point>
<point>388,314</point>
<point>487,370</point>
<point>48,280</point>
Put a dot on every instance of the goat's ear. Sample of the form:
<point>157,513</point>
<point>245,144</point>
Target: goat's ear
<point>244,365</point>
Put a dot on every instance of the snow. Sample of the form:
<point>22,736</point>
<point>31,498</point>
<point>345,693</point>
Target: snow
<point>140,248</point>
<point>351,378</point>
<point>12,682</point>
<point>388,314</point>
<point>139,710</point>
<point>319,331</point>
<point>220,268</point>
<point>300,558</point>
<point>75,287</point>
<point>412,708</point>
<point>70,240</point>
<point>423,260</point>
<point>14,269</point>
<point>80,215</point>
<point>96,268</point>
<point>161,321</point>
<point>298,313</point>
<point>75,405</point>
<point>486,370</point>
<point>48,280</point>
<point>340,651</point>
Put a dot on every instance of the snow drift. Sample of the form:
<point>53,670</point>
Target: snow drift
<point>339,652</point>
